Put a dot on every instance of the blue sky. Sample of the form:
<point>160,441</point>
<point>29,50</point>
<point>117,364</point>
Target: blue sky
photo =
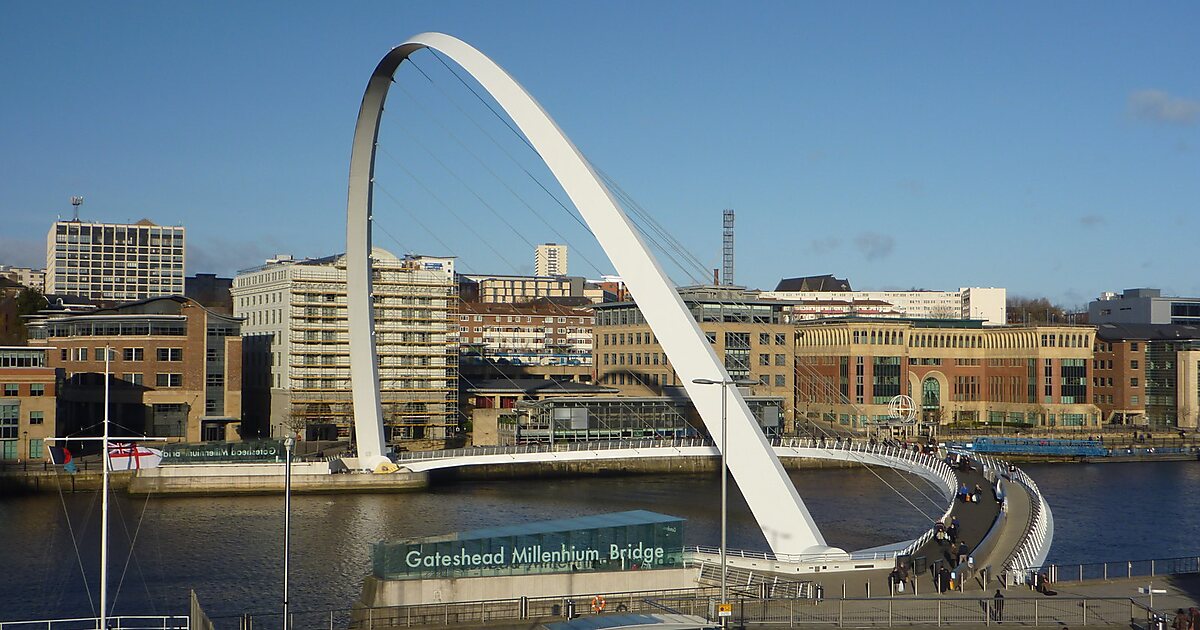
<point>1050,148</point>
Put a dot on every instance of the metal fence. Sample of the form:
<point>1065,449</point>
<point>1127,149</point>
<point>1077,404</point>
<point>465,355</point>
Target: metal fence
<point>1121,569</point>
<point>127,622</point>
<point>855,612</point>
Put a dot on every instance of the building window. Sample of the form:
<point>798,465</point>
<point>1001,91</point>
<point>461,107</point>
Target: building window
<point>1133,382</point>
<point>37,389</point>
<point>37,417</point>
<point>1133,346</point>
<point>133,378</point>
<point>11,390</point>
<point>764,339</point>
<point>35,449</point>
<point>1133,365</point>
<point>134,354</point>
<point>163,379</point>
<point>170,354</point>
<point>780,339</point>
<point>764,359</point>
<point>9,418</point>
<point>81,354</point>
<point>781,360</point>
<point>780,380</point>
<point>1133,400</point>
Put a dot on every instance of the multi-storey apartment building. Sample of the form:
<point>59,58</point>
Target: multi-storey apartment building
<point>298,349</point>
<point>532,333</point>
<point>25,276</point>
<point>516,289</point>
<point>550,259</point>
<point>1147,374</point>
<point>176,369</point>
<point>848,370</point>
<point>28,391</point>
<point>115,262</point>
<point>752,337</point>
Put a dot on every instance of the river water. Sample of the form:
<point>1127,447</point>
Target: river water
<point>229,549</point>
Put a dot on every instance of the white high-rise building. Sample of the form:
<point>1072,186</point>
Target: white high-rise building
<point>550,259</point>
<point>115,261</point>
<point>986,303</point>
<point>297,344</point>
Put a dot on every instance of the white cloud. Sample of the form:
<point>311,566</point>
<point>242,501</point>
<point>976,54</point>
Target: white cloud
<point>1159,106</point>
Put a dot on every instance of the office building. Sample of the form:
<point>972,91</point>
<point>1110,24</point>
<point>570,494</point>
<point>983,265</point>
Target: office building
<point>550,259</point>
<point>1144,306</point>
<point>957,372</point>
<point>115,262</point>
<point>1148,374</point>
<point>986,304</point>
<point>753,337</point>
<point>176,369</point>
<point>298,348</point>
<point>28,391</point>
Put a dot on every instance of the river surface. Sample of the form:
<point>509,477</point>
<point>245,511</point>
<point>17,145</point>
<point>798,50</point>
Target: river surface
<point>229,549</point>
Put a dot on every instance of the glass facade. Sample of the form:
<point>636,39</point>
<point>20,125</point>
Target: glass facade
<point>623,541</point>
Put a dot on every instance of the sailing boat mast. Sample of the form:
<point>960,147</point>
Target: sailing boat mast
<point>104,502</point>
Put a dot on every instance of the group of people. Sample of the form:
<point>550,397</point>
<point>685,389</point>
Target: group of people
<point>1186,620</point>
<point>969,495</point>
<point>944,533</point>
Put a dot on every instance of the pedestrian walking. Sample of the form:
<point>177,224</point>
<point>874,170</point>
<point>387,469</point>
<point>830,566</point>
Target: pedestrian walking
<point>963,553</point>
<point>1181,620</point>
<point>998,606</point>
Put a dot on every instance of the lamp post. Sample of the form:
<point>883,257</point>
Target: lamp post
<point>288,443</point>
<point>724,473</point>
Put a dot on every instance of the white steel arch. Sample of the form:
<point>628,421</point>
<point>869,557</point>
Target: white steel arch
<point>778,508</point>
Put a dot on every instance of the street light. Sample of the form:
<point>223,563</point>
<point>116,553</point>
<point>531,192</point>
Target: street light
<point>724,471</point>
<point>288,443</point>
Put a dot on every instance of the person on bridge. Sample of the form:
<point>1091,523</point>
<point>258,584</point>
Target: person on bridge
<point>976,493</point>
<point>998,606</point>
<point>963,552</point>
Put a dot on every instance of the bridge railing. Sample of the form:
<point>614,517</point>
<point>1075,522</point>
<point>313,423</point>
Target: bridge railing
<point>1119,569</point>
<point>476,451</point>
<point>126,622</point>
<point>902,610</point>
<point>1035,543</point>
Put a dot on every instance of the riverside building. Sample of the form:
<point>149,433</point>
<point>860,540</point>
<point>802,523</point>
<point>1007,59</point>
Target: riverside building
<point>957,372</point>
<point>753,337</point>
<point>115,262</point>
<point>298,348</point>
<point>27,402</point>
<point>176,368</point>
<point>1147,374</point>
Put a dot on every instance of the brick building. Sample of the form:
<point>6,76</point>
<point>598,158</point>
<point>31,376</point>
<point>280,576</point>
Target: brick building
<point>176,369</point>
<point>955,371</point>
<point>1147,374</point>
<point>753,338</point>
<point>28,391</point>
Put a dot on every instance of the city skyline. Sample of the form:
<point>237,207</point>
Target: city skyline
<point>1041,149</point>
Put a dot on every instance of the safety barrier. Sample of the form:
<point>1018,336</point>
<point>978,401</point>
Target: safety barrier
<point>127,622</point>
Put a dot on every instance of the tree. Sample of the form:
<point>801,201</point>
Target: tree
<point>27,301</point>
<point>1023,310</point>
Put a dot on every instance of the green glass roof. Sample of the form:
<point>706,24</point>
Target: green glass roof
<point>595,521</point>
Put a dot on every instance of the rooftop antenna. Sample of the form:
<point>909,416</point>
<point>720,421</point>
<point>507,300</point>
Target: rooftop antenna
<point>727,250</point>
<point>76,201</point>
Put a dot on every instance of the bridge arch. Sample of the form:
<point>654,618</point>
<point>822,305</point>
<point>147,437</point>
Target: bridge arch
<point>778,508</point>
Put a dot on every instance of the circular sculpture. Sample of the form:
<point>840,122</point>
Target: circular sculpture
<point>902,408</point>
